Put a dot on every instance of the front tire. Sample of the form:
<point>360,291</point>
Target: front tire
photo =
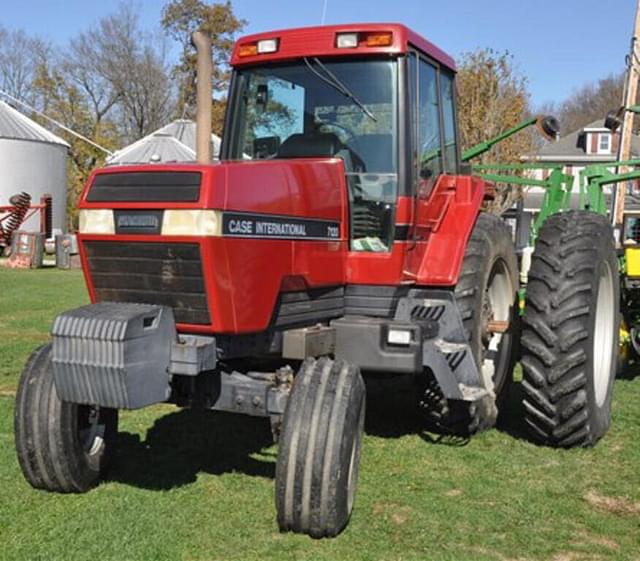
<point>570,336</point>
<point>63,447</point>
<point>317,469</point>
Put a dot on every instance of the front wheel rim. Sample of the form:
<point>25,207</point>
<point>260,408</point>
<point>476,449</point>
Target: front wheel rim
<point>604,326</point>
<point>91,429</point>
<point>354,461</point>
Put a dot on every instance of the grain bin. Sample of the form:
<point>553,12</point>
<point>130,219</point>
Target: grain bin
<point>34,160</point>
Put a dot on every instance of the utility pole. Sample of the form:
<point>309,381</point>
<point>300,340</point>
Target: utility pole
<point>626,131</point>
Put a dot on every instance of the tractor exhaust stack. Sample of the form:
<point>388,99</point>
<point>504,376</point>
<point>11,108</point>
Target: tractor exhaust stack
<point>202,42</point>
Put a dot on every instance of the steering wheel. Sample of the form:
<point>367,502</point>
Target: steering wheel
<point>347,132</point>
<point>350,141</point>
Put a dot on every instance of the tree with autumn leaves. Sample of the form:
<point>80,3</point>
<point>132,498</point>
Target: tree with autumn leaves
<point>492,98</point>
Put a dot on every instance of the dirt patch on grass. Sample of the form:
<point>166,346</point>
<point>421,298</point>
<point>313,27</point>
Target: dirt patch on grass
<point>574,556</point>
<point>7,393</point>
<point>613,505</point>
<point>589,539</point>
<point>453,493</point>
<point>479,550</point>
<point>398,514</point>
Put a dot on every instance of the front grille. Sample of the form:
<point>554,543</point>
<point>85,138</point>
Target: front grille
<point>146,186</point>
<point>169,274</point>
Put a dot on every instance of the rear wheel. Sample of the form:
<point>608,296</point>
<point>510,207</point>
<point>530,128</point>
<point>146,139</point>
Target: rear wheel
<point>320,442</point>
<point>570,336</point>
<point>61,446</point>
<point>486,295</point>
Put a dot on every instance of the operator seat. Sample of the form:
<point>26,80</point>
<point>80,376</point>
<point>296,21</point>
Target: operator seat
<point>319,145</point>
<point>316,145</point>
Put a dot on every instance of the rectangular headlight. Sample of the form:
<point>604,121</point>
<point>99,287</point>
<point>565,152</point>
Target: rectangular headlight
<point>192,223</point>
<point>267,46</point>
<point>399,337</point>
<point>97,221</point>
<point>347,40</point>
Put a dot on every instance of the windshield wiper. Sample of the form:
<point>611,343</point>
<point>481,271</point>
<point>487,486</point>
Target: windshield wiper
<point>336,84</point>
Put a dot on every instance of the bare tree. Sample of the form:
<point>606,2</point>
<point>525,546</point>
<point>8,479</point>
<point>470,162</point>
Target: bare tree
<point>123,72</point>
<point>591,102</point>
<point>20,56</point>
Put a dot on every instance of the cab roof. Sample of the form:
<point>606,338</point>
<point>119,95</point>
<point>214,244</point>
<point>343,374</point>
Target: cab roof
<point>321,41</point>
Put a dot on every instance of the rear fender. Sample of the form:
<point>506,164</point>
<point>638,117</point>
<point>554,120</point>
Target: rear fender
<point>444,222</point>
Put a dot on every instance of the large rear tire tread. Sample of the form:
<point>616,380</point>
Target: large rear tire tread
<point>320,443</point>
<point>490,241</point>
<point>573,250</point>
<point>48,445</point>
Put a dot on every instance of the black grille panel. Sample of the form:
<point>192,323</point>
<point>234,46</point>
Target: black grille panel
<point>146,186</point>
<point>150,273</point>
<point>308,307</point>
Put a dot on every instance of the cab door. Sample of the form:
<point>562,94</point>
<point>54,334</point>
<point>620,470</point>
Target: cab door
<point>434,154</point>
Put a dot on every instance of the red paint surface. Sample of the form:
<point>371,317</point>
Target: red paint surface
<point>243,276</point>
<point>444,221</point>
<point>321,41</point>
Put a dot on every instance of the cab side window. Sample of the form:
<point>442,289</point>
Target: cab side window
<point>429,141</point>
<point>447,92</point>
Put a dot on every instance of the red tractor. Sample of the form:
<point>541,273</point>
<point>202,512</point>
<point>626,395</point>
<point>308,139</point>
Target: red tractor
<point>339,235</point>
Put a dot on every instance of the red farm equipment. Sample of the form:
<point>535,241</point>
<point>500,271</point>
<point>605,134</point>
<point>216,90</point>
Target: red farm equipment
<point>341,236</point>
<point>18,211</point>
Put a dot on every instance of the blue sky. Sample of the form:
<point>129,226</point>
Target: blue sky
<point>559,45</point>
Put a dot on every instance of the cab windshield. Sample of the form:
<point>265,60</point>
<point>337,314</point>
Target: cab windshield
<point>328,108</point>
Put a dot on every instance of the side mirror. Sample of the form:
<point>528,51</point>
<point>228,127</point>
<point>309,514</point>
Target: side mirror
<point>262,97</point>
<point>548,126</point>
<point>614,119</point>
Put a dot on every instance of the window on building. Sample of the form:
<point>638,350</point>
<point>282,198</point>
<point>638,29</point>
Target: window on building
<point>604,143</point>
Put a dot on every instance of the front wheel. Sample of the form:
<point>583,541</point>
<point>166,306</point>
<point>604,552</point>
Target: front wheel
<point>317,469</point>
<point>570,336</point>
<point>63,447</point>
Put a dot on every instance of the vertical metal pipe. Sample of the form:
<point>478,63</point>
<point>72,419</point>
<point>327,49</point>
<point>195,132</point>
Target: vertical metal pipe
<point>202,42</point>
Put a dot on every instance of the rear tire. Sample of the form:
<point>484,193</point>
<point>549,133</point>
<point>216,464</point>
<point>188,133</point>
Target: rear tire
<point>486,291</point>
<point>317,469</point>
<point>570,336</point>
<point>63,447</point>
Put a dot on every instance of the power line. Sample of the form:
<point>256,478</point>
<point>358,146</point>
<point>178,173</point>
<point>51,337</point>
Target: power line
<point>56,123</point>
<point>324,12</point>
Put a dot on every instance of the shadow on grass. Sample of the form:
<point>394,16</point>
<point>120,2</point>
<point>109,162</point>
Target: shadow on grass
<point>182,444</point>
<point>511,416</point>
<point>392,412</point>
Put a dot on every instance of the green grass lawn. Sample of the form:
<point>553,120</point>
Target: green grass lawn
<point>190,485</point>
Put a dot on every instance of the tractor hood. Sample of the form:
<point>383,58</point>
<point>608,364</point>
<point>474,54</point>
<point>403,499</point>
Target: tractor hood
<point>220,242</point>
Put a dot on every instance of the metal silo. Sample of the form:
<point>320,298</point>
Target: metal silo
<point>34,160</point>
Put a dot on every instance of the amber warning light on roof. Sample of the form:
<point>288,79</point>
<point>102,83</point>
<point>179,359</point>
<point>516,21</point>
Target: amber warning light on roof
<point>264,46</point>
<point>353,40</point>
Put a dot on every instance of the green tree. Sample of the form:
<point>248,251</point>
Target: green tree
<point>180,18</point>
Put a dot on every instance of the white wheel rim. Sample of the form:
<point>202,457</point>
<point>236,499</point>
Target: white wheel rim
<point>500,294</point>
<point>92,435</point>
<point>605,324</point>
<point>352,477</point>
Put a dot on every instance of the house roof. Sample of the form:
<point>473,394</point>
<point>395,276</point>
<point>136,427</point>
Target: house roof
<point>175,142</point>
<point>14,125</point>
<point>569,147</point>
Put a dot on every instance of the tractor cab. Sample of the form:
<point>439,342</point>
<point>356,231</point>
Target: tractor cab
<point>376,96</point>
